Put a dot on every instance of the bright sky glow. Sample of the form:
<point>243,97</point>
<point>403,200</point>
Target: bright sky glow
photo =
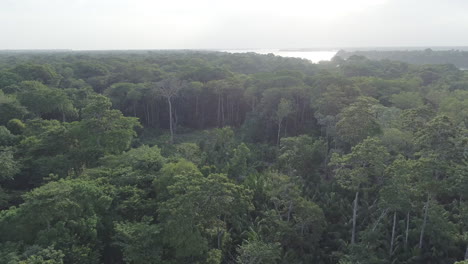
<point>175,24</point>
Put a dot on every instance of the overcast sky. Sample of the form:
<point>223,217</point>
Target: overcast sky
<point>205,24</point>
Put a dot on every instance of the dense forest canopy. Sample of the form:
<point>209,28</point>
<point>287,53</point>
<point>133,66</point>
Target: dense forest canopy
<point>457,57</point>
<point>210,157</point>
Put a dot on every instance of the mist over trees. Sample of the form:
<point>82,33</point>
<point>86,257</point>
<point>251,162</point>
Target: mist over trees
<point>210,157</point>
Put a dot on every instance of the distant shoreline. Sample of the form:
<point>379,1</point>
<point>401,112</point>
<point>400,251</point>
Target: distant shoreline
<point>364,48</point>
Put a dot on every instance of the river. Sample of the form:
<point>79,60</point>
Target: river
<point>312,55</point>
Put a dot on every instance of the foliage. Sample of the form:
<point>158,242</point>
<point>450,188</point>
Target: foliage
<point>209,157</point>
<point>258,252</point>
<point>140,242</point>
<point>357,121</point>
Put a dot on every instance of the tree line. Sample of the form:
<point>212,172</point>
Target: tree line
<point>457,57</point>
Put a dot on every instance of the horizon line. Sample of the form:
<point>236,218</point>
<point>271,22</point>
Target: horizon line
<point>221,49</point>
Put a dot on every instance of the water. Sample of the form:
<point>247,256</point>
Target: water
<point>312,55</point>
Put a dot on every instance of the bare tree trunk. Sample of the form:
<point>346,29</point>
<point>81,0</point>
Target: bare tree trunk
<point>147,114</point>
<point>466,253</point>
<point>278,212</point>
<point>286,128</point>
<point>231,113</point>
<point>279,130</point>
<point>151,115</point>
<point>393,233</point>
<point>155,118</point>
<point>234,113</point>
<point>302,114</point>
<point>219,110</point>
<point>196,112</point>
<point>296,118</point>
<point>426,207</point>
<point>228,110</point>
<point>220,238</point>
<point>384,212</point>
<point>238,121</point>
<point>407,229</point>
<point>222,112</point>
<point>289,210</point>
<point>175,121</point>
<point>170,119</point>
<point>353,232</point>
<point>202,118</point>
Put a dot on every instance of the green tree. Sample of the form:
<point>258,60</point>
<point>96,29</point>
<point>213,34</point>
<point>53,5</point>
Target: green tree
<point>285,108</point>
<point>36,72</point>
<point>219,147</point>
<point>289,218</point>
<point>240,163</point>
<point>43,100</point>
<point>360,170</point>
<point>358,121</point>
<point>102,131</point>
<point>6,138</point>
<point>335,98</point>
<point>194,218</point>
<point>16,126</point>
<point>255,251</point>
<point>190,152</point>
<point>407,100</point>
<point>302,156</point>
<point>10,108</point>
<point>125,97</point>
<point>8,79</point>
<point>9,166</point>
<point>141,242</point>
<point>396,195</point>
<point>169,89</point>
<point>37,255</point>
<point>414,119</point>
<point>66,214</point>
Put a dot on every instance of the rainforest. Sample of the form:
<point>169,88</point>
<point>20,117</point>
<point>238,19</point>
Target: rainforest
<point>185,156</point>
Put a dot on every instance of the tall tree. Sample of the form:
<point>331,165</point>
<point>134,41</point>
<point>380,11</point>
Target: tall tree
<point>102,131</point>
<point>396,194</point>
<point>169,88</point>
<point>360,170</point>
<point>284,109</point>
<point>67,214</point>
<point>358,121</point>
<point>198,210</point>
